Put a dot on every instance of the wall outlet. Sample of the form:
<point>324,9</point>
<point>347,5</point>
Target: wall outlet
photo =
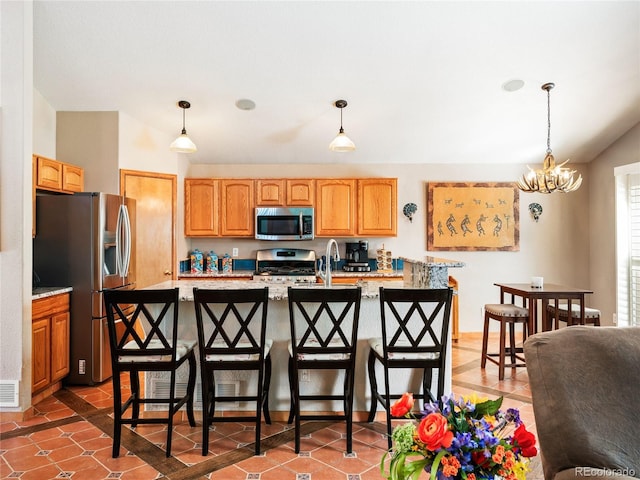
<point>304,375</point>
<point>82,370</point>
<point>234,252</point>
<point>615,318</point>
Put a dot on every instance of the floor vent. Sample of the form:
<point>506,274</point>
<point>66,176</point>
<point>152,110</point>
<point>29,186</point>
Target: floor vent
<point>9,393</point>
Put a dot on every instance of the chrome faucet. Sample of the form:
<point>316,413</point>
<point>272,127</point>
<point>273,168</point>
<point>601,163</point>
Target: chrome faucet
<point>326,275</point>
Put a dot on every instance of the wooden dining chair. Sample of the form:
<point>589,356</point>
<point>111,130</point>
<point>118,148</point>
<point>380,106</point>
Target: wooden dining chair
<point>415,329</point>
<point>232,336</point>
<point>143,336</point>
<point>324,330</point>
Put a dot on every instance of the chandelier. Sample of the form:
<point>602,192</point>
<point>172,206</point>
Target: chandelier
<point>551,177</point>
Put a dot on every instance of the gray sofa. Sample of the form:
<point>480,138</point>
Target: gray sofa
<point>585,386</point>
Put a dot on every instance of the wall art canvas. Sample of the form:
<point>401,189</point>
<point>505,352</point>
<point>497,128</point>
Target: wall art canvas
<point>473,216</point>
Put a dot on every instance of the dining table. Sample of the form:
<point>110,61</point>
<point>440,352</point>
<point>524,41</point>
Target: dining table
<point>532,295</point>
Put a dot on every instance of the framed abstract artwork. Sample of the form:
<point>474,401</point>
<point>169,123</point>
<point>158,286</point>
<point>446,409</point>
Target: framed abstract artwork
<point>473,217</point>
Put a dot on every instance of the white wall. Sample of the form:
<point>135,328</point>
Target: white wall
<point>601,211</point>
<point>16,101</point>
<point>554,247</point>
<point>44,126</point>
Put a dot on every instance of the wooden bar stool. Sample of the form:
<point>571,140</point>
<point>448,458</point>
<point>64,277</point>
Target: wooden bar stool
<point>455,316</point>
<point>506,314</point>
<point>561,314</point>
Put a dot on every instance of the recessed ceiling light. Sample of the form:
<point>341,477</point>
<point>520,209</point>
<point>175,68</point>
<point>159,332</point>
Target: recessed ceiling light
<point>512,85</point>
<point>245,104</point>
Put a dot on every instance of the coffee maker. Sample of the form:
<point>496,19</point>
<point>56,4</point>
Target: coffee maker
<point>357,259</point>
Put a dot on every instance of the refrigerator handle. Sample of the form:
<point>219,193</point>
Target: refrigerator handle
<point>123,241</point>
<point>119,252</point>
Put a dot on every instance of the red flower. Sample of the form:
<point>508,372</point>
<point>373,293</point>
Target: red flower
<point>403,405</point>
<point>481,459</point>
<point>434,432</point>
<point>526,441</point>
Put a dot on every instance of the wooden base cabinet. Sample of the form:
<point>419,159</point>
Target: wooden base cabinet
<point>50,340</point>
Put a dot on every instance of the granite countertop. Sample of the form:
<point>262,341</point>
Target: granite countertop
<point>277,291</point>
<point>435,262</point>
<point>43,292</point>
<point>249,273</point>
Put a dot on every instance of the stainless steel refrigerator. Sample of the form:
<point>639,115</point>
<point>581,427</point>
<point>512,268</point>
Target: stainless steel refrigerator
<point>86,241</point>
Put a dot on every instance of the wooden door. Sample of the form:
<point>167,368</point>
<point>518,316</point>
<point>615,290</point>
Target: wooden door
<point>201,207</point>
<point>237,204</point>
<point>49,174</point>
<point>335,207</point>
<point>72,178</point>
<point>155,195</point>
<point>377,207</point>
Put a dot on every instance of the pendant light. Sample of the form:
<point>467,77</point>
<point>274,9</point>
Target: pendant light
<point>341,143</point>
<point>183,143</point>
<point>551,177</point>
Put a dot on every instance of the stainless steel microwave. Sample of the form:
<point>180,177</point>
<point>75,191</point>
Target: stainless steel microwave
<point>284,223</point>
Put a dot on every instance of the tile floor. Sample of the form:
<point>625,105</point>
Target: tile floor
<point>70,437</point>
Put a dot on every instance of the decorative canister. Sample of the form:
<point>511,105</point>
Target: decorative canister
<point>227,265</point>
<point>212,262</point>
<point>197,260</point>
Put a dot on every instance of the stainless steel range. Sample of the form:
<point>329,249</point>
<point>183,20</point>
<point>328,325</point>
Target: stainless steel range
<point>282,265</point>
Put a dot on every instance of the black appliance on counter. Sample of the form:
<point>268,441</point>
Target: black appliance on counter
<point>357,259</point>
<point>283,265</point>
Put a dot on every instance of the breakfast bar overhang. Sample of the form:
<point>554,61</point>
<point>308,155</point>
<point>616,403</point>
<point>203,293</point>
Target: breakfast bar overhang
<point>429,273</point>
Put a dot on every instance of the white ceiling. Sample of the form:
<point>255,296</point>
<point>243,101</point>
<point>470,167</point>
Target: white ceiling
<point>423,79</point>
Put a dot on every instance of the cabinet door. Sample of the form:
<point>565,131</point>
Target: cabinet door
<point>377,207</point>
<point>270,192</point>
<point>40,356</point>
<point>59,346</point>
<point>201,215</point>
<point>49,174</point>
<point>72,178</point>
<point>335,207</point>
<point>300,192</point>
<point>237,202</point>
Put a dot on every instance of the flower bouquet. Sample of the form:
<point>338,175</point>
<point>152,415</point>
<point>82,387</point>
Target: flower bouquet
<point>468,438</point>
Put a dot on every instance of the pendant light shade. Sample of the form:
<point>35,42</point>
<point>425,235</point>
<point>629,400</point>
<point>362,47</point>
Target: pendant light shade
<point>551,177</point>
<point>183,143</point>
<point>341,143</point>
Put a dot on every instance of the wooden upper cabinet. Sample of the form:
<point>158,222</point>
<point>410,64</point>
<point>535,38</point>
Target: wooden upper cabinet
<point>270,192</point>
<point>237,203</point>
<point>49,174</point>
<point>72,178</point>
<point>57,176</point>
<point>377,207</point>
<point>201,207</point>
<point>335,207</point>
<point>300,192</point>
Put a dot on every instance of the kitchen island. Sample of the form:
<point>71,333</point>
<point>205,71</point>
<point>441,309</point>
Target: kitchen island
<point>278,330</point>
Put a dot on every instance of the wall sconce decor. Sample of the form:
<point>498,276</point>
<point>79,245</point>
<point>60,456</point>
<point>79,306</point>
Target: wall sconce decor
<point>536,210</point>
<point>409,209</point>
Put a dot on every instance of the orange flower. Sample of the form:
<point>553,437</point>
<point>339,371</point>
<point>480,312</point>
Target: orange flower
<point>403,405</point>
<point>434,432</point>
